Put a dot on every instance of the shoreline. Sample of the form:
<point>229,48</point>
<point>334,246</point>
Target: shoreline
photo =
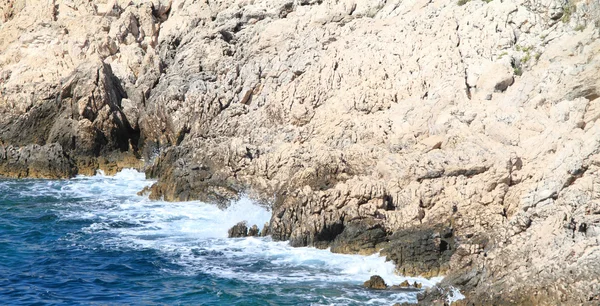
<point>461,138</point>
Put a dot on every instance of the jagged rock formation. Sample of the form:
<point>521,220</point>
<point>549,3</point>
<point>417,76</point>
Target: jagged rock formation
<point>375,282</point>
<point>459,136</point>
<point>238,230</point>
<point>242,230</point>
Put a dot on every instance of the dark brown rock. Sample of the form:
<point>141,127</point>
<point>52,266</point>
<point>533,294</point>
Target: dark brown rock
<point>253,231</point>
<point>266,231</point>
<point>421,251</point>
<point>364,236</point>
<point>238,230</point>
<point>405,284</point>
<point>184,180</point>
<point>375,282</point>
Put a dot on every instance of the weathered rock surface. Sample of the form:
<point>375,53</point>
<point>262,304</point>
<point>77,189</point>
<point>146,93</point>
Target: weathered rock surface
<point>253,231</point>
<point>375,282</point>
<point>59,85</point>
<point>241,229</point>
<point>36,161</point>
<point>367,124</point>
<point>406,286</point>
<point>265,230</point>
<point>238,230</point>
<point>360,237</point>
<point>419,251</point>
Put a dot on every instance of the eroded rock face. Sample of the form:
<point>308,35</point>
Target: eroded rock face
<point>366,124</point>
<point>36,161</point>
<point>421,251</point>
<point>366,236</point>
<point>63,80</point>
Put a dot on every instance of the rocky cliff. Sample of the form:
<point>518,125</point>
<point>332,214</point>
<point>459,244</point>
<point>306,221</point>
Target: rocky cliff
<point>460,138</point>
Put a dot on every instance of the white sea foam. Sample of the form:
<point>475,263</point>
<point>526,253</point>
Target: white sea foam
<point>454,295</point>
<point>193,235</point>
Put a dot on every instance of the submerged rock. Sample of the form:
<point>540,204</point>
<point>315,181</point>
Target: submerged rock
<point>375,282</point>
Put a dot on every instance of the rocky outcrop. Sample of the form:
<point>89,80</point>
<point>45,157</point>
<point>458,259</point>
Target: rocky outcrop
<point>253,231</point>
<point>360,237</point>
<point>238,230</point>
<point>36,161</point>
<point>461,137</point>
<point>241,230</point>
<point>419,251</point>
<point>406,286</point>
<point>375,282</point>
<point>182,181</point>
<point>60,83</point>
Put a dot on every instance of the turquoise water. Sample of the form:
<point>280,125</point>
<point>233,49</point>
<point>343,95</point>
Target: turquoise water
<point>94,241</point>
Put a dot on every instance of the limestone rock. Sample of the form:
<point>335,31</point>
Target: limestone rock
<point>48,161</point>
<point>495,77</point>
<point>420,252</point>
<point>364,124</point>
<point>360,237</point>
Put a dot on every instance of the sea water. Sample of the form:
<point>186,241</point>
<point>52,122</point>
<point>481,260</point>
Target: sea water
<point>94,241</point>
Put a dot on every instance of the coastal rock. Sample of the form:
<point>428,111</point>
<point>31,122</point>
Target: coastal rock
<point>265,230</point>
<point>253,231</point>
<point>375,282</point>
<point>407,287</point>
<point>366,124</point>
<point>420,252</point>
<point>360,237</point>
<point>436,296</point>
<point>238,230</point>
<point>48,161</point>
<point>183,181</point>
<point>56,86</point>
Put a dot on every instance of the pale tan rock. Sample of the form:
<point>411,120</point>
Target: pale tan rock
<point>406,114</point>
<point>432,142</point>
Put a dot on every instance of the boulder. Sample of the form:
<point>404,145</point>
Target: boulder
<point>375,282</point>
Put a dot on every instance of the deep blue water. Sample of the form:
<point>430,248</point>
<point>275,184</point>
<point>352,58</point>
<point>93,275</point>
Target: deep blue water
<point>94,241</point>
